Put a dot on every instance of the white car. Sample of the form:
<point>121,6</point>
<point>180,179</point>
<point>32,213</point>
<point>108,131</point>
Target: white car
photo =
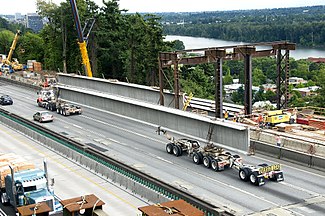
<point>43,116</point>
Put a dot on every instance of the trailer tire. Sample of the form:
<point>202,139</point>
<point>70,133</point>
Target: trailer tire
<point>57,110</point>
<point>169,148</point>
<point>253,178</point>
<point>206,162</point>
<point>278,176</point>
<point>177,151</point>
<point>244,174</point>
<point>215,165</point>
<point>197,158</point>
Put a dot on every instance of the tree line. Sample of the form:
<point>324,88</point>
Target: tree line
<point>304,26</point>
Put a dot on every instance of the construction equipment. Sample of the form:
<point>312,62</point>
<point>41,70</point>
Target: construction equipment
<point>212,156</point>
<point>82,40</point>
<point>22,184</point>
<point>7,64</point>
<point>275,117</point>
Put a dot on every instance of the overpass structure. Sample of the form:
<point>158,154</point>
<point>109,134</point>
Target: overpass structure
<point>217,55</point>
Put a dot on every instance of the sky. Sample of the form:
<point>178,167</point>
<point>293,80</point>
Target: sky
<point>28,6</point>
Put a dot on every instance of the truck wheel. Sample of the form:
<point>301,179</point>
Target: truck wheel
<point>169,148</point>
<point>57,110</point>
<point>214,165</point>
<point>278,177</point>
<point>206,162</point>
<point>253,178</point>
<point>197,157</point>
<point>177,151</point>
<point>244,174</point>
<point>3,201</point>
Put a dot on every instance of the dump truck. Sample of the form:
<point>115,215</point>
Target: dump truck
<point>22,184</point>
<point>212,156</point>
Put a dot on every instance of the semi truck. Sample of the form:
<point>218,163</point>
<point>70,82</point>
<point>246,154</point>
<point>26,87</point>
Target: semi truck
<point>22,184</point>
<point>47,98</point>
<point>212,156</point>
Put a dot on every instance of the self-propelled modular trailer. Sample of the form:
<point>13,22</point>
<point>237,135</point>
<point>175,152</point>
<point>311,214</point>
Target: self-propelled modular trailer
<point>212,156</point>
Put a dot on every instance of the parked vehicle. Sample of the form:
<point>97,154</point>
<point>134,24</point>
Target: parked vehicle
<point>43,116</point>
<point>6,100</point>
<point>22,184</point>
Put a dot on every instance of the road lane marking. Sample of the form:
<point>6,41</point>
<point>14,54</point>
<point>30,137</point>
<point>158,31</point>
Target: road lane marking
<point>20,140</point>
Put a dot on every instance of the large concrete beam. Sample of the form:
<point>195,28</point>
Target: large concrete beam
<point>226,134</point>
<point>115,87</point>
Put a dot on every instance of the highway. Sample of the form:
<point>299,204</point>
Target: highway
<point>137,144</point>
<point>71,180</point>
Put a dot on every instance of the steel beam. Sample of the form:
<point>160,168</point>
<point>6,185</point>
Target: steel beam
<point>176,84</point>
<point>282,81</point>
<point>247,53</point>
<point>216,57</point>
<point>161,83</point>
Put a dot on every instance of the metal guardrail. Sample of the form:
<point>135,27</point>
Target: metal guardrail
<point>153,183</point>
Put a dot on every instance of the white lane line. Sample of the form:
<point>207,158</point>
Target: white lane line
<point>299,188</point>
<point>77,126</point>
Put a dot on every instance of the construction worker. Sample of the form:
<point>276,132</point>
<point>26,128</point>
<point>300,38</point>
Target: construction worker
<point>226,115</point>
<point>260,121</point>
<point>278,141</point>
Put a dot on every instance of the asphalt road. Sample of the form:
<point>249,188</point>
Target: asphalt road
<point>137,144</point>
<point>71,180</point>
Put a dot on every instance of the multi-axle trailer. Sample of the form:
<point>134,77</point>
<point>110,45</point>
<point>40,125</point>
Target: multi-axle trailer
<point>212,156</point>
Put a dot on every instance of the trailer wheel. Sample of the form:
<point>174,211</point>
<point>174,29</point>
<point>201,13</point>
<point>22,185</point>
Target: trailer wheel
<point>214,165</point>
<point>177,151</point>
<point>253,178</point>
<point>169,148</point>
<point>197,157</point>
<point>57,110</point>
<point>278,177</point>
<point>244,174</point>
<point>206,162</point>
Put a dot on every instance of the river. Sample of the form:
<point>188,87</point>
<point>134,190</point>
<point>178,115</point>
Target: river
<point>199,42</point>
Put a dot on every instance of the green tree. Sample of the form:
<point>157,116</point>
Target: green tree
<point>238,96</point>
<point>258,77</point>
<point>227,79</point>
<point>6,38</point>
<point>33,46</point>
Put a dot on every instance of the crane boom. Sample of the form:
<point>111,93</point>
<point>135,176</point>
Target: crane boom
<point>81,42</point>
<point>12,48</point>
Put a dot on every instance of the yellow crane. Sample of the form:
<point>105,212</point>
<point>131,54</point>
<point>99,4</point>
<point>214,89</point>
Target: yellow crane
<point>7,62</point>
<point>81,41</point>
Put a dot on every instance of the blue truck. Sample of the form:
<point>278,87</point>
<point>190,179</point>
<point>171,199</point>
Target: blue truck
<point>29,186</point>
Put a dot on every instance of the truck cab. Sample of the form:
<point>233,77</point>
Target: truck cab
<point>30,188</point>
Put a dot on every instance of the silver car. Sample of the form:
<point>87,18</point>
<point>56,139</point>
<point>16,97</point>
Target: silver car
<point>43,116</point>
